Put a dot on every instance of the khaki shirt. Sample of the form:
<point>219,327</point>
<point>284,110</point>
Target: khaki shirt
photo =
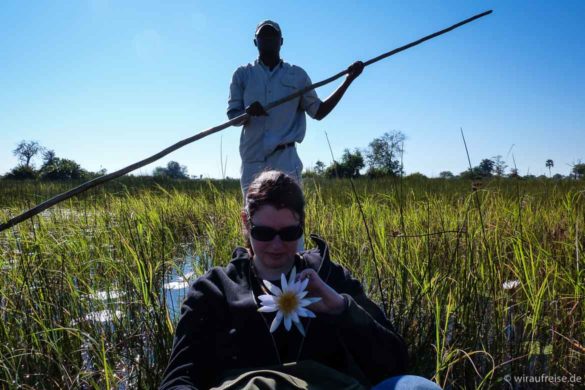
<point>285,123</point>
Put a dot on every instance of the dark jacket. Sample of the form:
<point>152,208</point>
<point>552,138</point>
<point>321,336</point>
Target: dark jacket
<point>220,329</point>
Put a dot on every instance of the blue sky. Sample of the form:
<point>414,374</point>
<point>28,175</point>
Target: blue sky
<point>107,83</point>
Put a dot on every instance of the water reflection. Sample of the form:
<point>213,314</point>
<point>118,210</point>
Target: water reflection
<point>172,292</point>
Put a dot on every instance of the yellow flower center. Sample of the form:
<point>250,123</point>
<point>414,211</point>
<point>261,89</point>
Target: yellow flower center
<point>288,302</point>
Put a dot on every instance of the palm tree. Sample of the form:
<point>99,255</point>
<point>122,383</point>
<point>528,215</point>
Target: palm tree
<point>549,164</point>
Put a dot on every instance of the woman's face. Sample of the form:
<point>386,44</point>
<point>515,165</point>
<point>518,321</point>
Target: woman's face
<point>275,255</point>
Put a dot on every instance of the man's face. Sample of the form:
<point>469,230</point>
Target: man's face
<point>268,41</point>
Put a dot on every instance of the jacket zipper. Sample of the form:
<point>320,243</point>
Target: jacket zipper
<point>308,322</point>
<point>263,319</point>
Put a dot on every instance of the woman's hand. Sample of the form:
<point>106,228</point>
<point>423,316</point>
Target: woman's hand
<point>331,302</point>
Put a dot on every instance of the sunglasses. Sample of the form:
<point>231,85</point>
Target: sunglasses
<point>265,233</point>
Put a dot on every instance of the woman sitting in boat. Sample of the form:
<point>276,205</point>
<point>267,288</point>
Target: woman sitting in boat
<point>275,318</point>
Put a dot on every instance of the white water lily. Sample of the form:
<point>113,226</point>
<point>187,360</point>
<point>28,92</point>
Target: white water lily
<point>289,303</point>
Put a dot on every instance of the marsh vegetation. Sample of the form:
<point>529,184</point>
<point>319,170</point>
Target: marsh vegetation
<point>482,283</point>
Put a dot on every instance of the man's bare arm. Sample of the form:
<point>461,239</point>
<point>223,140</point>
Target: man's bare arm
<point>329,104</point>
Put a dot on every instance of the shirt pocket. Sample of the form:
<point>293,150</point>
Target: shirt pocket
<point>289,85</point>
<point>289,82</point>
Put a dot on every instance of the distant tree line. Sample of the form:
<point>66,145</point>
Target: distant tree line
<point>173,170</point>
<point>496,167</point>
<point>381,157</point>
<point>51,168</point>
<point>57,168</point>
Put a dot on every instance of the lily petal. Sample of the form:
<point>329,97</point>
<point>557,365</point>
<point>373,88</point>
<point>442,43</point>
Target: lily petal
<point>305,313</point>
<point>300,327</point>
<point>294,287</point>
<point>308,301</point>
<point>287,322</point>
<point>272,288</point>
<point>267,299</point>
<point>293,275</point>
<point>268,309</point>
<point>276,322</point>
<point>304,284</point>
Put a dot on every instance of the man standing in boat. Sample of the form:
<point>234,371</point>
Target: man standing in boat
<point>268,139</point>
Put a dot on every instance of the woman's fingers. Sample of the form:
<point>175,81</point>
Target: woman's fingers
<point>331,302</point>
<point>316,285</point>
<point>310,274</point>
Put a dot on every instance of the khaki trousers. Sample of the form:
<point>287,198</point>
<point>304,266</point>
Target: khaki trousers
<point>286,160</point>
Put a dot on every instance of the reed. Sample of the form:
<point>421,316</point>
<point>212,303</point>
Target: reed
<point>477,297</point>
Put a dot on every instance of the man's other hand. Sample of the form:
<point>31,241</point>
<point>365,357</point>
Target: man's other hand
<point>256,109</point>
<point>355,70</point>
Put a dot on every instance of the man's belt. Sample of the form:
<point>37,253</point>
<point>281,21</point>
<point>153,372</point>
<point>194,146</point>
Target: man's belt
<point>283,146</point>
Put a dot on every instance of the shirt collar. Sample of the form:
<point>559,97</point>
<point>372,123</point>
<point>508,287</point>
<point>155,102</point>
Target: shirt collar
<point>279,65</point>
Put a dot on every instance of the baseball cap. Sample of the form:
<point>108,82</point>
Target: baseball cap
<point>270,23</point>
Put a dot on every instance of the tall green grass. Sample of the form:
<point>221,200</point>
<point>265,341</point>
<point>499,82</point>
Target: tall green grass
<point>442,268</point>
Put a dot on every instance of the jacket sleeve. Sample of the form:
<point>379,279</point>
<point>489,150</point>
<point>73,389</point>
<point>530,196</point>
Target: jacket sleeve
<point>191,364</point>
<point>377,348</point>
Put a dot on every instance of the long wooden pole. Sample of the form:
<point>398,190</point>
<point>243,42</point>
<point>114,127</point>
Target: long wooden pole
<point>102,179</point>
